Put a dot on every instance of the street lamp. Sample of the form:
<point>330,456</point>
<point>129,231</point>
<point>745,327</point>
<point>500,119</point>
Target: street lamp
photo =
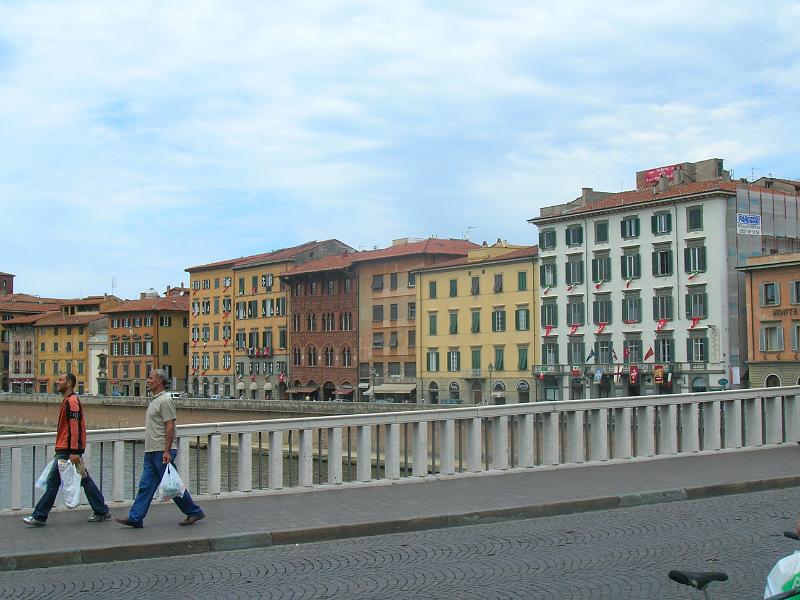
<point>491,368</point>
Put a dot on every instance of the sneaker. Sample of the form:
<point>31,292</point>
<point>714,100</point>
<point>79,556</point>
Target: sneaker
<point>33,522</point>
<point>99,518</point>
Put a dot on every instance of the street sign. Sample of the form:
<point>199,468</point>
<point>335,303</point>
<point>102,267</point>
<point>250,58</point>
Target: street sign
<point>723,382</point>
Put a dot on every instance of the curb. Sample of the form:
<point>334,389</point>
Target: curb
<point>244,541</point>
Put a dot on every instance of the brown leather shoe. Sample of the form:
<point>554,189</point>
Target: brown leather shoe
<point>129,523</point>
<point>191,520</point>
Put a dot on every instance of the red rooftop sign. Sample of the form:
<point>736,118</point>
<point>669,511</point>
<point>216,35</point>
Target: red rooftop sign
<point>653,175</point>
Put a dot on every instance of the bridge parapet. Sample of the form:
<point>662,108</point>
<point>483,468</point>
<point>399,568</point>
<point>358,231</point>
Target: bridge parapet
<point>323,451</point>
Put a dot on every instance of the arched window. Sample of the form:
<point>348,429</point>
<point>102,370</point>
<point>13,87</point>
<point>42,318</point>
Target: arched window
<point>296,356</point>
<point>347,357</point>
<point>346,321</point>
<point>311,320</point>
<point>772,381</point>
<point>312,357</point>
<point>698,384</point>
<point>328,356</point>
<point>296,322</point>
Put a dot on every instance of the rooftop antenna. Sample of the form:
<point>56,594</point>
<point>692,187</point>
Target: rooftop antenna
<point>113,285</point>
<point>468,232</point>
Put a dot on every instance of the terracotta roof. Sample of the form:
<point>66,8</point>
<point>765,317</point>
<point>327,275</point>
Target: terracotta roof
<point>177,303</point>
<point>327,263</point>
<point>428,246</point>
<point>89,300</point>
<point>518,254</point>
<point>26,320</point>
<point>30,298</point>
<point>272,256</point>
<point>634,197</point>
<point>57,318</point>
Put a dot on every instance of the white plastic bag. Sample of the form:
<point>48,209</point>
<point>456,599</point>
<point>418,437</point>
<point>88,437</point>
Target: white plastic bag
<point>784,576</point>
<point>171,485</point>
<point>70,483</point>
<point>41,482</point>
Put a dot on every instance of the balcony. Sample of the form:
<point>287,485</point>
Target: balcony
<point>475,374</point>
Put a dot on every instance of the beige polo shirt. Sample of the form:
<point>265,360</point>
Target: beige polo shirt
<point>160,410</point>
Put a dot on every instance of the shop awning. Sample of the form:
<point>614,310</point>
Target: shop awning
<point>253,385</point>
<point>363,386</point>
<point>303,390</point>
<point>395,388</point>
<point>267,386</point>
<point>343,391</point>
<point>240,385</point>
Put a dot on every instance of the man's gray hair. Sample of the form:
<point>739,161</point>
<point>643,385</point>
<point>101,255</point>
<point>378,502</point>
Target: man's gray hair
<point>162,375</point>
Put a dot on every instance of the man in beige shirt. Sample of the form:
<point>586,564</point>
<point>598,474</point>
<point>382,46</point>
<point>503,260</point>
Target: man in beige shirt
<point>159,451</point>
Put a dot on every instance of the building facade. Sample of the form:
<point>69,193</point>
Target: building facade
<point>772,292</point>
<point>22,345</point>
<point>145,334</point>
<point>476,327</point>
<point>640,292</point>
<point>6,284</point>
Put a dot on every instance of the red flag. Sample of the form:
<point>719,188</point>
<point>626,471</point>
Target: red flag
<point>695,321</point>
<point>548,329</point>
<point>541,376</point>
<point>601,327</point>
<point>573,329</point>
<point>649,353</point>
<point>626,353</point>
<point>661,323</point>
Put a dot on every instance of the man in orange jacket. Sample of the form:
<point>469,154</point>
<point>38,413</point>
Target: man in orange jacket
<point>70,444</point>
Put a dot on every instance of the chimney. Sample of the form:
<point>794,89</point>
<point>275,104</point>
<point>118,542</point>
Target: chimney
<point>141,295</point>
<point>663,184</point>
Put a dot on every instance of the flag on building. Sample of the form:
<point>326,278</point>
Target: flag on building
<point>591,355</point>
<point>649,353</point>
<point>601,327</point>
<point>573,329</point>
<point>661,323</point>
<point>695,321</point>
<point>617,373</point>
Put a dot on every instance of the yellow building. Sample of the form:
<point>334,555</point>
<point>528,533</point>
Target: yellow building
<point>62,340</point>
<point>238,322</point>
<point>476,326</point>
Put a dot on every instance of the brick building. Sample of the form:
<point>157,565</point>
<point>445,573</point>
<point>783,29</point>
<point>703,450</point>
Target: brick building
<point>6,284</point>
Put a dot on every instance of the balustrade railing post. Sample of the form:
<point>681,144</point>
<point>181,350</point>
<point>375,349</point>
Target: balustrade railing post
<point>391,461</point>
<point>447,450</point>
<point>752,421</point>
<point>575,445</point>
<point>364,453</point>
<point>733,424</point>
<point>690,427</point>
<point>622,433</point>
<point>183,458</point>
<point>791,417</point>
<point>15,491</point>
<point>551,454</point>
<point>305,458</point>
<point>117,468</point>
<point>245,475</point>
<point>712,437</point>
<point>500,443</point>
<point>599,420</point>
<point>420,440</point>
<point>275,460</point>
<point>527,457</point>
<point>214,463</point>
<point>645,431</point>
<point>474,441</point>
<point>773,424</point>
<point>668,430</point>
<point>335,455</point>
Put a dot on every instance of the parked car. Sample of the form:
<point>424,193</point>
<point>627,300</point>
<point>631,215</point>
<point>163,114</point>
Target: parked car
<point>174,395</point>
<point>216,397</point>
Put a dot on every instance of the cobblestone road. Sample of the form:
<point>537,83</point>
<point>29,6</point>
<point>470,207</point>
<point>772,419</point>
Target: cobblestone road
<point>612,554</point>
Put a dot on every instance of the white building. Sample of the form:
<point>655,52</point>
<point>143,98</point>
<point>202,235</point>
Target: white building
<point>639,289</point>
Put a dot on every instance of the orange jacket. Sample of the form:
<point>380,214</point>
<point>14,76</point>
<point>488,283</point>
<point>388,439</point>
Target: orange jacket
<point>71,431</point>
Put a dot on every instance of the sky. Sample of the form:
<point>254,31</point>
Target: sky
<point>140,138</point>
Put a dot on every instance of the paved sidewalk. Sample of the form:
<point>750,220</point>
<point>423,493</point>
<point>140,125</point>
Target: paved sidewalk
<point>369,509</point>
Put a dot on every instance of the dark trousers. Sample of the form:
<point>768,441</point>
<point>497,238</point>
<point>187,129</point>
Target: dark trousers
<point>45,504</point>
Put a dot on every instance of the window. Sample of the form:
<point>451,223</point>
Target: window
<point>498,283</point>
<point>632,308</point>
<point>547,274</point>
<point>328,352</point>
<point>476,321</point>
<point>549,314</point>
<point>475,286</point>
<point>392,281</point>
<point>601,269</point>
<point>662,306</point>
<point>574,272</point>
<point>165,348</point>
<point>348,286</point>
<point>547,239</point>
<point>241,285</point>
<point>575,312</point>
<point>55,346</point>
<point>68,347</point>
<point>330,287</point>
<point>412,310</point>
<point>604,352</point>
<point>296,357</point>
<point>393,339</point>
<point>794,292</point>
<point>475,358</point>
<point>393,312</point>
<point>453,288</point>
<point>697,304</point>
<point>631,267</point>
<point>574,235</point>
<point>601,309</point>
<point>522,281</point>
<point>432,289</point>
<point>296,322</point>
<point>576,352</point>
<point>601,232</point>
<point>694,259</point>
<point>311,322</point>
<point>629,227</point>
<point>432,323</point>
<point>498,320</point>
<point>377,312</point>
<point>412,338</point>
<point>697,349</point>
<point>522,358</point>
<point>632,351</point>
<point>347,357</point>
<point>550,353</point>
<point>665,349</point>
<point>377,283</point>
<point>453,361</point>
<point>433,360</point>
<point>770,337</point>
<point>346,319</point>
<point>522,319</point>
<point>453,327</point>
<point>661,223</point>
<point>795,333</point>
<point>662,262</point>
<point>499,355</point>
<point>165,321</point>
<point>769,294</point>
<point>694,218</point>
<point>312,357</point>
<point>412,280</point>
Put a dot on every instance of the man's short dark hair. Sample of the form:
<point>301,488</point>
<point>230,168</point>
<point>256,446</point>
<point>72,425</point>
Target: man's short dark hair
<point>73,381</point>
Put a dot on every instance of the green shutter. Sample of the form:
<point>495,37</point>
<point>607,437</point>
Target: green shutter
<point>669,222</point>
<point>653,223</point>
<point>702,259</point>
<point>594,270</point>
<point>523,360</point>
<point>655,263</point>
<point>624,309</point>
<point>522,281</point>
<point>687,259</point>
<point>476,321</point>
<point>637,265</point>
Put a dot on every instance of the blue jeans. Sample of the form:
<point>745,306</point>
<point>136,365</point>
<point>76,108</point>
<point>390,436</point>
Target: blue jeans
<point>45,504</point>
<point>152,472</point>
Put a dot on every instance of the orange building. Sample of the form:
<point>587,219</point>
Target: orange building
<point>772,285</point>
<point>146,334</point>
